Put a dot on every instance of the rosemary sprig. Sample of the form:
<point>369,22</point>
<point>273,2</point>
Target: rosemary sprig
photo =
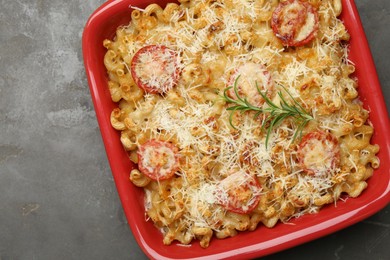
<point>275,113</point>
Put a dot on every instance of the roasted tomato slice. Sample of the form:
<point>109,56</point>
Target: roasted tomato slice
<point>155,69</point>
<point>318,153</point>
<point>158,160</point>
<point>246,77</point>
<point>239,192</point>
<point>295,22</point>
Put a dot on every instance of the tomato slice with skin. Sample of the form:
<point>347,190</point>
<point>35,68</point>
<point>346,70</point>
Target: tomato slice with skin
<point>318,153</point>
<point>155,69</point>
<point>295,22</point>
<point>246,77</point>
<point>239,193</point>
<point>159,160</point>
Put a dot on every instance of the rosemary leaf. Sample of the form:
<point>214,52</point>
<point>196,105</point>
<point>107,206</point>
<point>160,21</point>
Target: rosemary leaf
<point>275,114</point>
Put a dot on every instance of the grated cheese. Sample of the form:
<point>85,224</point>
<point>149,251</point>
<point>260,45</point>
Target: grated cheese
<point>222,41</point>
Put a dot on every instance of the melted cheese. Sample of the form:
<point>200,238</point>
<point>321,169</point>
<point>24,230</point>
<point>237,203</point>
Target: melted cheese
<point>156,68</point>
<point>307,28</point>
<point>161,157</point>
<point>318,156</point>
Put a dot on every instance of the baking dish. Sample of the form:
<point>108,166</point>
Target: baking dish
<point>102,25</point>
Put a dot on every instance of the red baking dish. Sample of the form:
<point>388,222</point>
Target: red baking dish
<point>263,241</point>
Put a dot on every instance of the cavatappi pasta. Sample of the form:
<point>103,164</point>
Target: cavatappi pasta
<point>209,171</point>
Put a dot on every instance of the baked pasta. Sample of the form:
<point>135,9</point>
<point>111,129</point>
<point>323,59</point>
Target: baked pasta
<point>238,113</point>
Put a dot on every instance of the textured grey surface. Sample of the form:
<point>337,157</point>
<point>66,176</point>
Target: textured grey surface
<point>57,196</point>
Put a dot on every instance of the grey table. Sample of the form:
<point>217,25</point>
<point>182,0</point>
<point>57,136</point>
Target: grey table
<point>57,195</point>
